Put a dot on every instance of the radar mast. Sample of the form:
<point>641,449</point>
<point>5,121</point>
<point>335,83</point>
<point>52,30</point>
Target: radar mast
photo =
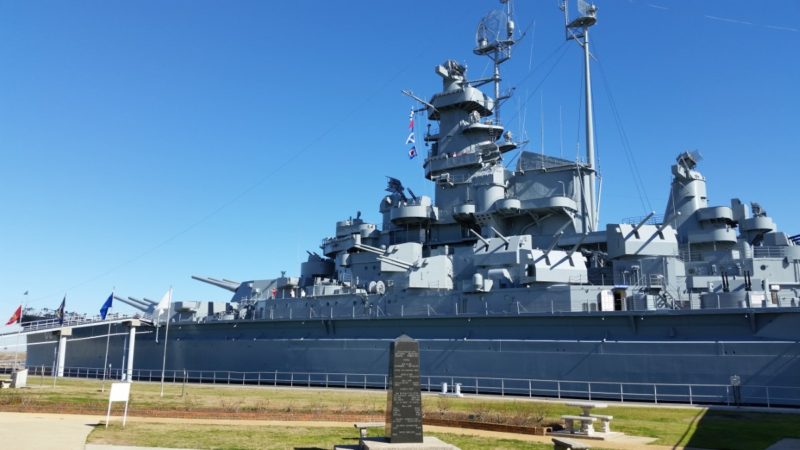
<point>578,30</point>
<point>494,38</point>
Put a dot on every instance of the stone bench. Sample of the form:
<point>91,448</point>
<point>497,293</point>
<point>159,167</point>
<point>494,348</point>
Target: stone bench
<point>605,420</point>
<point>588,404</point>
<point>569,444</point>
<point>364,426</point>
<point>585,424</point>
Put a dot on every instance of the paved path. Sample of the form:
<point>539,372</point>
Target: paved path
<point>34,431</point>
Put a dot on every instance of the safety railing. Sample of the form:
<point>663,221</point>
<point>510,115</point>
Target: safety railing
<point>692,394</point>
<point>71,321</point>
<point>769,252</point>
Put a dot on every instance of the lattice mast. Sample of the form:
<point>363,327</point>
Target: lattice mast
<point>494,38</point>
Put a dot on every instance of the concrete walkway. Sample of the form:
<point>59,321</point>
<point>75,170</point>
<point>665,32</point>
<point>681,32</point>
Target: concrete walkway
<point>38,431</point>
<point>35,431</point>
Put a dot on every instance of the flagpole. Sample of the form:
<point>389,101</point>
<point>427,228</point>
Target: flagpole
<point>166,339</point>
<point>16,346</point>
<point>19,332</point>
<point>108,339</point>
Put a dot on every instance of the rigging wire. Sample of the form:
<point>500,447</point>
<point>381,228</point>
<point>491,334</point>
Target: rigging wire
<point>523,109</point>
<point>546,76</point>
<point>529,95</point>
<point>541,64</point>
<point>626,145</point>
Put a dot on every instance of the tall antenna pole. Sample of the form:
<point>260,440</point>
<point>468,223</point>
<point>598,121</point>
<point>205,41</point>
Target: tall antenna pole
<point>586,18</point>
<point>589,131</point>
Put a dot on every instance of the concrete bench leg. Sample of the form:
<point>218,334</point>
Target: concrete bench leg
<point>587,428</point>
<point>606,426</point>
<point>570,426</point>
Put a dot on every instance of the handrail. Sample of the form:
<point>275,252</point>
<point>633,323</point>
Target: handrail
<point>691,393</point>
<point>73,320</point>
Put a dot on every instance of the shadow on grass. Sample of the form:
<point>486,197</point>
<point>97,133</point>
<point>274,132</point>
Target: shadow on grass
<point>690,429</point>
<point>737,430</point>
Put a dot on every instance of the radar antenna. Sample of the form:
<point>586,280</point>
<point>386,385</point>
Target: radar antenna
<point>578,30</point>
<point>494,38</point>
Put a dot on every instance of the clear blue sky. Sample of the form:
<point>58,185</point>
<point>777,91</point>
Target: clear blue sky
<point>143,142</point>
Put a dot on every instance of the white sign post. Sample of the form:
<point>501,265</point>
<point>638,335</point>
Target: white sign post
<point>120,392</point>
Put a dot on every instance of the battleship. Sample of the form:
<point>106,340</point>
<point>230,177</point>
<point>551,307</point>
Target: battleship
<point>505,277</point>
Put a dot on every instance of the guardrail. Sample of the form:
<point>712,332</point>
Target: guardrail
<point>769,251</point>
<point>692,394</point>
<point>690,254</point>
<point>71,321</point>
<point>655,219</point>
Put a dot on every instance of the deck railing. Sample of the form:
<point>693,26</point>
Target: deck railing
<point>692,394</point>
<point>72,320</point>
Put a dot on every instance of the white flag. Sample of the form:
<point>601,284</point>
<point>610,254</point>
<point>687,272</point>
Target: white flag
<point>410,138</point>
<point>163,305</point>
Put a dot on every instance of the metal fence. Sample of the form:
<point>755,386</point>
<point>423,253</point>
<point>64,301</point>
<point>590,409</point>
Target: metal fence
<point>692,394</point>
<point>72,320</point>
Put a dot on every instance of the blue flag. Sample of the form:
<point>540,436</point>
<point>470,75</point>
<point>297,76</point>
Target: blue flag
<point>106,306</point>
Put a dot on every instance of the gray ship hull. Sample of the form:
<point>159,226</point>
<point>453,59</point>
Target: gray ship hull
<point>547,354</point>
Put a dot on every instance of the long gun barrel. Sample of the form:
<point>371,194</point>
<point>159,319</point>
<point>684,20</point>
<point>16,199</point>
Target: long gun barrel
<point>481,238</point>
<point>136,303</point>
<point>387,259</point>
<point>224,284</point>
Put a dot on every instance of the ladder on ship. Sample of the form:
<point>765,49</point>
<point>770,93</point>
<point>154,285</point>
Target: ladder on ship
<point>657,286</point>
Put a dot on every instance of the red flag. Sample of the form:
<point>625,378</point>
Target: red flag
<point>16,316</point>
<point>411,120</point>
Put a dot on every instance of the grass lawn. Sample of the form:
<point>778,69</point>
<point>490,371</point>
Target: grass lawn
<point>267,437</point>
<point>696,427</point>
